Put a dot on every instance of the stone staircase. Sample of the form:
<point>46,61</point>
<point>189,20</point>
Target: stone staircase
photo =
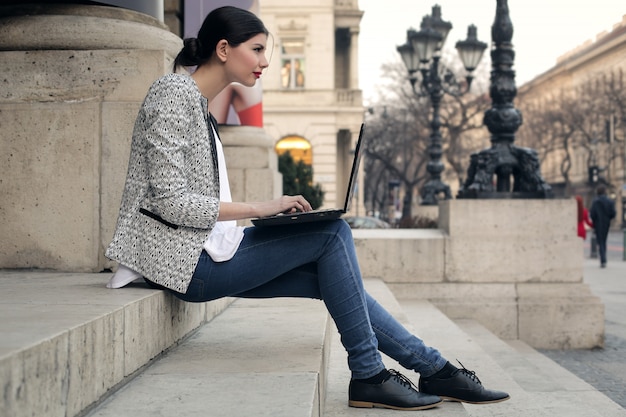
<point>71,347</point>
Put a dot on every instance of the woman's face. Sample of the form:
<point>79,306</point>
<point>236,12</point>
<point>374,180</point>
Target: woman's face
<point>247,60</point>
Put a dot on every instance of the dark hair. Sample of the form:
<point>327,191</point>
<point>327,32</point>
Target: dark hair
<point>231,23</point>
<point>601,190</point>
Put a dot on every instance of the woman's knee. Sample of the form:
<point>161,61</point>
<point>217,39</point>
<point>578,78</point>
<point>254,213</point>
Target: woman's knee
<point>343,227</point>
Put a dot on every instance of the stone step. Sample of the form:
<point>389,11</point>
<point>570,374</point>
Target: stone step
<point>547,385</point>
<point>258,358</point>
<point>67,341</point>
<point>72,347</point>
<point>339,376</point>
<point>539,387</point>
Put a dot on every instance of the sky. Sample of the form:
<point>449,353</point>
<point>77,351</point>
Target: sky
<point>543,31</point>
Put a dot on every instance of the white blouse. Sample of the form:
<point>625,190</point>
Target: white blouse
<point>226,236</point>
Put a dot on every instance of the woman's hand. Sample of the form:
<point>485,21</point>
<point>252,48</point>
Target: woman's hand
<point>285,204</point>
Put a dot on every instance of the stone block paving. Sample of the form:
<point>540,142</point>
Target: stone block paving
<point>604,368</point>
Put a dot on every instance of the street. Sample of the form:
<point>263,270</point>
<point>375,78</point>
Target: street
<point>604,368</point>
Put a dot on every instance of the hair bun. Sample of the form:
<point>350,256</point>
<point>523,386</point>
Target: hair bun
<point>191,54</point>
<point>193,47</point>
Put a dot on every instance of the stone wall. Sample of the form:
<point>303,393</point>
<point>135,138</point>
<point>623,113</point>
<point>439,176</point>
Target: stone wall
<point>516,266</point>
<point>67,106</point>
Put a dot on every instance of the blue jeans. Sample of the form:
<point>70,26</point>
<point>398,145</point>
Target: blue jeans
<point>315,260</point>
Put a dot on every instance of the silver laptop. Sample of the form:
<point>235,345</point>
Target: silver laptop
<point>321,214</point>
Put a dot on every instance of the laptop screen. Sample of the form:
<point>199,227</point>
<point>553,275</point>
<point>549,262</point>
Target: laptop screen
<point>352,184</point>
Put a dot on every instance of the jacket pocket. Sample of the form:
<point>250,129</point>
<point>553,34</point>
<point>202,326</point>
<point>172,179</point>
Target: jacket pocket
<point>157,218</point>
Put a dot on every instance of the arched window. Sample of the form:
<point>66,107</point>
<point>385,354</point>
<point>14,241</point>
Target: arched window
<point>298,147</point>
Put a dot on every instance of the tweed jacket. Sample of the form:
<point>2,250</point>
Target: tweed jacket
<point>170,201</point>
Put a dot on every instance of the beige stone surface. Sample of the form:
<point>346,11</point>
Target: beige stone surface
<point>401,255</point>
<point>68,31</point>
<point>515,266</point>
<point>513,259</point>
<point>508,217</point>
<point>80,76</point>
<point>553,316</point>
<point>493,305</point>
<point>67,340</point>
<point>278,347</point>
<point>67,115</point>
<point>66,146</point>
<point>35,379</point>
<point>50,185</point>
<point>511,240</point>
<point>97,357</point>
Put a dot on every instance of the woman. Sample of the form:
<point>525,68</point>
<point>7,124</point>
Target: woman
<point>177,229</point>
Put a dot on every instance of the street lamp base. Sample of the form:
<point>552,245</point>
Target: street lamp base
<point>433,191</point>
<point>505,161</point>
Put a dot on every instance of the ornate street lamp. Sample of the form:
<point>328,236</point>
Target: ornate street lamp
<point>421,54</point>
<point>516,168</point>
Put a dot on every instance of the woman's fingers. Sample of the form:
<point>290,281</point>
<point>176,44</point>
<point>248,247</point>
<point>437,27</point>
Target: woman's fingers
<point>296,203</point>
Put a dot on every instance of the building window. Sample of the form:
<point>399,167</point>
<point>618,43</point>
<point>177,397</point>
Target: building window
<point>292,63</point>
<point>298,147</point>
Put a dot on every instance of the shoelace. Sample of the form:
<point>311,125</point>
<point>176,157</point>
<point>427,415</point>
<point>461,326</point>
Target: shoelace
<point>470,374</point>
<point>404,381</point>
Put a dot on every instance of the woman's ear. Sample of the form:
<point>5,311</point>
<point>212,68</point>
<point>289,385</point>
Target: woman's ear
<point>221,50</point>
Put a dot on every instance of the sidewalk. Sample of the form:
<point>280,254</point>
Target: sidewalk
<point>604,369</point>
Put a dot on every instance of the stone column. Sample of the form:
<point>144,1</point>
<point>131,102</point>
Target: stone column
<point>73,79</point>
<point>68,102</point>
<point>354,58</point>
<point>252,164</point>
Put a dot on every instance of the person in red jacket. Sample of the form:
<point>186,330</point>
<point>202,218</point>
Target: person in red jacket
<point>583,218</point>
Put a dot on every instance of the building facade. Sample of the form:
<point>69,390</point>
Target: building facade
<point>575,116</point>
<point>310,90</point>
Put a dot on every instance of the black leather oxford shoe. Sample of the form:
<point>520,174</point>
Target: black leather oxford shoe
<point>463,385</point>
<point>397,392</point>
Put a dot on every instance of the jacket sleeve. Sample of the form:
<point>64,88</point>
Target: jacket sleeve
<point>178,162</point>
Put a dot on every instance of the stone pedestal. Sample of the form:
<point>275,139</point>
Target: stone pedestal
<point>529,251</point>
<point>74,76</point>
<point>515,266</point>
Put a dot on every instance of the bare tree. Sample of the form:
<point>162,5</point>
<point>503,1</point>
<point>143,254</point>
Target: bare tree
<point>399,136</point>
<point>588,120</point>
<point>395,146</point>
<point>459,117</point>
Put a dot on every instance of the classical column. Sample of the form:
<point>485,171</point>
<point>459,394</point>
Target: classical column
<point>354,58</point>
<point>76,77</point>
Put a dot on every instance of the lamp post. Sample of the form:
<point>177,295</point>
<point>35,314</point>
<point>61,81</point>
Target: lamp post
<point>421,55</point>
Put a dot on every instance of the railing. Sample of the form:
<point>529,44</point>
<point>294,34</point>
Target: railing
<point>310,98</point>
<point>348,97</point>
<point>346,4</point>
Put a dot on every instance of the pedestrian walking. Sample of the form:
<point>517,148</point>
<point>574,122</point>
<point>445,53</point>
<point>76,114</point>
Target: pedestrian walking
<point>602,212</point>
